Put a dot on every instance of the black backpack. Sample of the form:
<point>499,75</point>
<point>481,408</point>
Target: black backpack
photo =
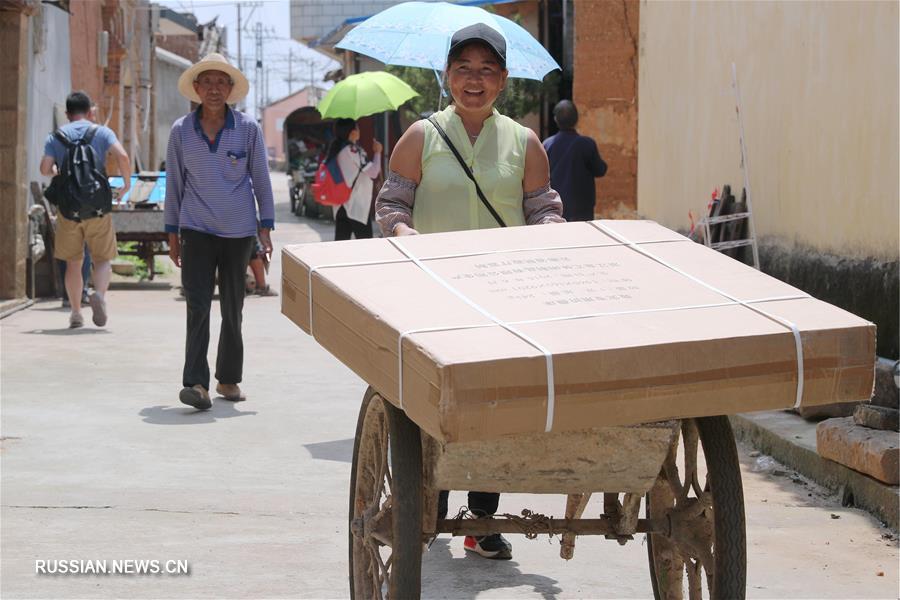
<point>81,190</point>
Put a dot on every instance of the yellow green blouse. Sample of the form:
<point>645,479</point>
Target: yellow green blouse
<point>446,200</point>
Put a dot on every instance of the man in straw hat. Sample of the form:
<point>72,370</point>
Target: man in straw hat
<point>217,178</point>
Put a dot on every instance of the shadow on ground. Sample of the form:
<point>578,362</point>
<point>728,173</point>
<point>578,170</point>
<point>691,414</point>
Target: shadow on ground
<point>184,415</point>
<point>464,577</point>
<point>336,450</point>
<point>67,331</point>
<point>160,284</point>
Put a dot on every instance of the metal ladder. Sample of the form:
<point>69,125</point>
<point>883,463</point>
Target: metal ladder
<point>706,221</point>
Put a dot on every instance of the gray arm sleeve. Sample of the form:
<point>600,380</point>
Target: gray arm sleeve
<point>394,203</point>
<point>542,205</point>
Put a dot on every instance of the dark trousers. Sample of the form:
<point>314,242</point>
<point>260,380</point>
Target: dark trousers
<point>481,504</point>
<point>203,254</point>
<point>344,227</point>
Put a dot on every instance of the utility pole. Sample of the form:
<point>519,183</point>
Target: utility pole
<point>290,77</point>
<point>258,77</point>
<point>239,33</point>
<point>240,60</point>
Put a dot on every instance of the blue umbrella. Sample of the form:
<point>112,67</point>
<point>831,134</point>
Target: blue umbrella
<point>417,34</point>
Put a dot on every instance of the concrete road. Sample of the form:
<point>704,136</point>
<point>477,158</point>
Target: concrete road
<point>101,461</point>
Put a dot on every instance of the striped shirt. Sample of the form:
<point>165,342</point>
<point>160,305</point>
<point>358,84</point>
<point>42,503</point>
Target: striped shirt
<point>215,187</point>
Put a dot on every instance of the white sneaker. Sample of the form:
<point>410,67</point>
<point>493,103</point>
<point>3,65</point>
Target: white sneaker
<point>98,308</point>
<point>76,321</point>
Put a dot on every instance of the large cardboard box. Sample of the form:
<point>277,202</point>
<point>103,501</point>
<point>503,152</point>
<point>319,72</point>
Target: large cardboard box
<point>634,323</point>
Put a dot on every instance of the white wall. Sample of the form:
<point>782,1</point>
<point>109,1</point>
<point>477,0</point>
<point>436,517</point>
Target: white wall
<point>50,82</point>
<point>819,82</point>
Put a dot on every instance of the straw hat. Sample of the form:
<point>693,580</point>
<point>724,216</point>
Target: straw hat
<point>213,62</point>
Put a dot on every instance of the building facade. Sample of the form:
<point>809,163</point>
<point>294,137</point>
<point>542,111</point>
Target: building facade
<point>605,89</point>
<point>273,117</point>
<point>313,19</point>
<point>169,107</point>
<point>106,48</point>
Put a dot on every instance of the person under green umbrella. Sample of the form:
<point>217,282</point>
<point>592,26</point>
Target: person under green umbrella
<point>353,218</point>
<point>365,94</point>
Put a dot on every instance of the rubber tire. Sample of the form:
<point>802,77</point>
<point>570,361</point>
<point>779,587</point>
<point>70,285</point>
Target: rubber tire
<point>406,474</point>
<point>723,466</point>
<point>310,206</point>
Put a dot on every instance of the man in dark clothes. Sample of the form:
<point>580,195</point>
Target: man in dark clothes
<point>574,163</point>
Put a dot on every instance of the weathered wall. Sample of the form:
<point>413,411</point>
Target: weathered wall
<point>49,82</point>
<point>86,24</point>
<point>867,287</point>
<point>605,92</point>
<point>819,82</point>
<point>13,184</point>
<point>113,90</point>
<point>170,105</point>
<point>187,46</point>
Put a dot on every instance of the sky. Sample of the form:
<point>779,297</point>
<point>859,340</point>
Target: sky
<point>277,45</point>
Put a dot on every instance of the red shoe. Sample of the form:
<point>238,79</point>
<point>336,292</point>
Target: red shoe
<point>492,546</point>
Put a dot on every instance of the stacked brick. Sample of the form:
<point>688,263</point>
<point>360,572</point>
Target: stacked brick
<point>868,441</point>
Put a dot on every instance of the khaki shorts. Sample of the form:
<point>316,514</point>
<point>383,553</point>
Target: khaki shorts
<point>97,233</point>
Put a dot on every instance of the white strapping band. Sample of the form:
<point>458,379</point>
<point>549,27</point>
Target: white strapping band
<point>548,356</point>
<point>798,342</point>
<point>510,326</point>
<point>613,313</point>
<point>442,257</point>
<point>331,265</point>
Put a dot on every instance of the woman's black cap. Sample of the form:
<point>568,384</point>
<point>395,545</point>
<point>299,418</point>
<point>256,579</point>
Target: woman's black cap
<point>479,32</point>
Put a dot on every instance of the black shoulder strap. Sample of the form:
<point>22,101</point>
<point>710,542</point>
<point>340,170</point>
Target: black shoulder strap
<point>63,138</point>
<point>358,173</point>
<point>89,134</point>
<point>467,170</point>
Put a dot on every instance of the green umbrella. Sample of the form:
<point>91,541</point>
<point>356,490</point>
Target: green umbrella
<point>365,94</point>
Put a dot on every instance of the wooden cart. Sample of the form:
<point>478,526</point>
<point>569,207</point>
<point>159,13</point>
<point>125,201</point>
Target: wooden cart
<point>687,472</point>
<point>138,217</point>
<point>146,227</point>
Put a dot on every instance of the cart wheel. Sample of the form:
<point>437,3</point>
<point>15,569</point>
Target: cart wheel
<point>704,554</point>
<point>385,552</point>
<point>302,209</point>
<point>310,206</point>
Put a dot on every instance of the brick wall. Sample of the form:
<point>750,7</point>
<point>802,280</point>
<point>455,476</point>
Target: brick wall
<point>186,46</point>
<point>86,24</point>
<point>112,91</point>
<point>605,91</point>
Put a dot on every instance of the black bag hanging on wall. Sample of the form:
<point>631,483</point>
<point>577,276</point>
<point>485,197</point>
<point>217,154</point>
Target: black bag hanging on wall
<point>81,190</point>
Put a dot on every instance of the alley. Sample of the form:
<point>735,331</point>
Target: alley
<point>101,461</point>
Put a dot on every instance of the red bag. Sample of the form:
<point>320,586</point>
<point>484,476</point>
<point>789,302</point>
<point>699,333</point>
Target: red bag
<point>329,188</point>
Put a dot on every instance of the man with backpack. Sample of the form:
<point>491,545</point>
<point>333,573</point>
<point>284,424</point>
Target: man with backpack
<point>75,156</point>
